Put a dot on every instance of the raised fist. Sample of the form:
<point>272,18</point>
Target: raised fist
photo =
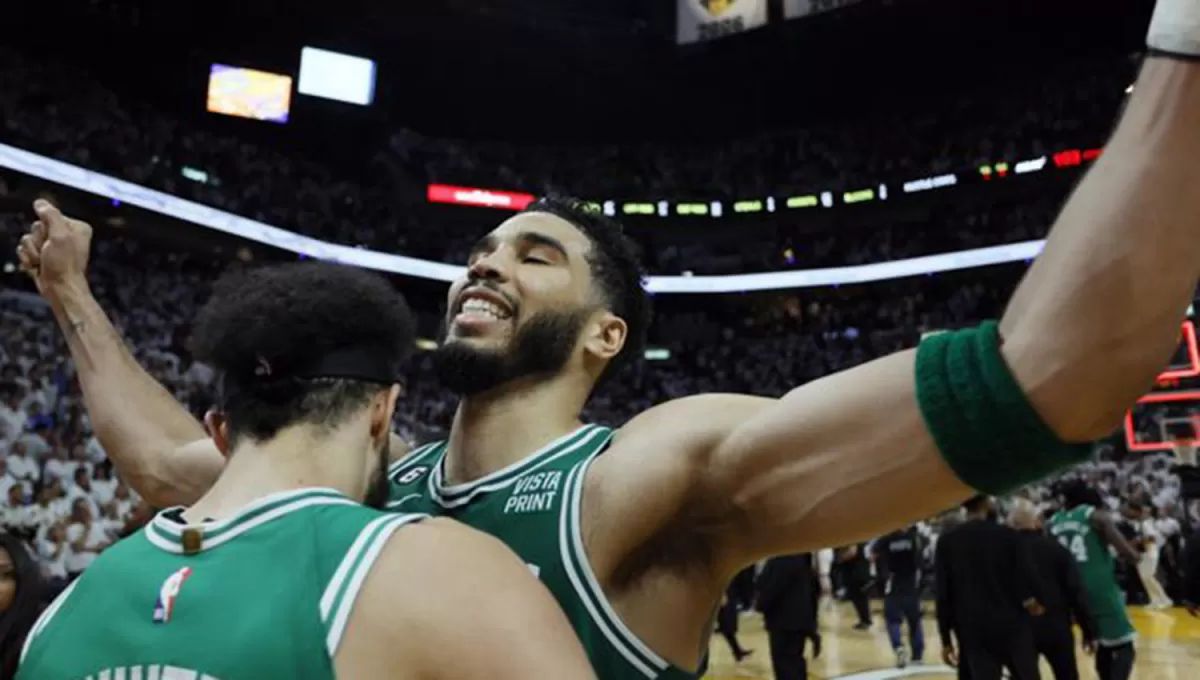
<point>55,251</point>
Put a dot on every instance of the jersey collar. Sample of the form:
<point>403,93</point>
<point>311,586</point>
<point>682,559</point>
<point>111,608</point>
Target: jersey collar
<point>170,535</point>
<point>455,495</point>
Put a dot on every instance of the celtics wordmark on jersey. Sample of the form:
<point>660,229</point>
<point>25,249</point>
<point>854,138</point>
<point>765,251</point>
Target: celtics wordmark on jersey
<point>533,506</point>
<point>266,593</point>
<point>1073,529</point>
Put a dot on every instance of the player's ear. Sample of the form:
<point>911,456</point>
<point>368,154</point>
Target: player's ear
<point>218,429</point>
<point>605,335</point>
<point>383,407</point>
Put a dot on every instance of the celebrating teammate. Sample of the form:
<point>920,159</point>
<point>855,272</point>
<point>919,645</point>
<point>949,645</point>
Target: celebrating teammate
<point>1086,529</point>
<point>638,544</point>
<point>279,570</point>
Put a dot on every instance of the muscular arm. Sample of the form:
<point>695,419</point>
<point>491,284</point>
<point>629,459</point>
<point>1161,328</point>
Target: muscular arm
<point>849,457</point>
<point>1103,524</point>
<point>158,448</point>
<point>448,603</point>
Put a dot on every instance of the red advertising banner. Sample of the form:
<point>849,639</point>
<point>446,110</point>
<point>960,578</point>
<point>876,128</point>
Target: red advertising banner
<point>484,198</point>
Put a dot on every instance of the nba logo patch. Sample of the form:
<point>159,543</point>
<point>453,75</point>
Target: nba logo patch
<point>165,605</point>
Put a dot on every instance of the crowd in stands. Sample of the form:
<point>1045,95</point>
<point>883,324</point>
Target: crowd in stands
<point>63,112</point>
<point>1074,104</point>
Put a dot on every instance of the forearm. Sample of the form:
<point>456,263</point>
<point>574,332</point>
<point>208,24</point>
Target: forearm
<point>1097,317</point>
<point>137,421</point>
<point>1112,536</point>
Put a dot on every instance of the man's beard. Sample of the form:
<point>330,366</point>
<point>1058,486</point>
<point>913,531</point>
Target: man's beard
<point>540,347</point>
<point>378,490</point>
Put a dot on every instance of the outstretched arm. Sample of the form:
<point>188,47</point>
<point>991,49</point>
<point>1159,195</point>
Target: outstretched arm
<point>1095,319</point>
<point>159,449</point>
<point>1103,524</point>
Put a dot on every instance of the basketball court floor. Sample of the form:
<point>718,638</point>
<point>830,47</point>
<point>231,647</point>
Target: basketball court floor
<point>1168,649</point>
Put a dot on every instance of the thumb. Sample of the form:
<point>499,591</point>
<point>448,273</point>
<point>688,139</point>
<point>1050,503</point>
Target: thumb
<point>57,225</point>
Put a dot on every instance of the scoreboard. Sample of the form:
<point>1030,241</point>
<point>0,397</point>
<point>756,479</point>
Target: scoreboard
<point>1170,412</point>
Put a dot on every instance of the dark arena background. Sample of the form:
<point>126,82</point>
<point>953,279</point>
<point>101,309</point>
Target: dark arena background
<point>813,183</point>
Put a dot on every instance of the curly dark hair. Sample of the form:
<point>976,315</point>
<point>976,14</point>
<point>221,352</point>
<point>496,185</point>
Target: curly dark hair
<point>616,264</point>
<point>287,318</point>
<point>16,621</point>
<point>1076,492</point>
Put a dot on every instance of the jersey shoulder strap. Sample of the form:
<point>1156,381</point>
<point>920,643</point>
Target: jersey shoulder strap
<point>355,537</point>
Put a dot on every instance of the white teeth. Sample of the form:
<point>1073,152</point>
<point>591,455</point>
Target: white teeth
<point>481,306</point>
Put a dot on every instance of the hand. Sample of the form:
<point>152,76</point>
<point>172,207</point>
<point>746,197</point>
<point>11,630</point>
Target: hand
<point>55,251</point>
<point>1194,610</point>
<point>950,656</point>
<point>1089,646</point>
<point>1034,607</point>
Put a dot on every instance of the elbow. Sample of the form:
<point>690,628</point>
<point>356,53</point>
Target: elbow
<point>1089,424</point>
<point>1081,395</point>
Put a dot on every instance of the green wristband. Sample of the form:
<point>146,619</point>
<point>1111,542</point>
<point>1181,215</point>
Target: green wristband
<point>983,424</point>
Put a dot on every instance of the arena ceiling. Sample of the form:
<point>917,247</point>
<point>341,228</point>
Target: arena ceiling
<point>591,69</point>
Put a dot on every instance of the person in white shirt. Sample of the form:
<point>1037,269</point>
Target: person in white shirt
<point>35,442</point>
<point>54,500</point>
<point>95,452</point>
<point>7,436</point>
<point>104,485</point>
<point>80,488</point>
<point>86,537</point>
<point>125,500</point>
<point>7,480</point>
<point>14,515</point>
<point>1152,543</point>
<point>59,466</point>
<point>12,413</point>
<point>53,551</point>
<point>23,467</point>
<point>111,522</point>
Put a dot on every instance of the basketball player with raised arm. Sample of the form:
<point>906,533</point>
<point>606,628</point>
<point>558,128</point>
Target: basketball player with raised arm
<point>637,531</point>
<point>280,570</point>
<point>1085,528</point>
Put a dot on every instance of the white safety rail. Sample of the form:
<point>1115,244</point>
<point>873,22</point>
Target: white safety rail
<point>99,184</point>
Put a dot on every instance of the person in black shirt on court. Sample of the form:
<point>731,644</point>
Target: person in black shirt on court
<point>788,592</point>
<point>1062,595</point>
<point>987,590</point>
<point>898,558</point>
<point>856,579</point>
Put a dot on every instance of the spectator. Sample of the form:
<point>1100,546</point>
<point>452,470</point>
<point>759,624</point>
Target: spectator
<point>20,601</point>
<point>85,536</point>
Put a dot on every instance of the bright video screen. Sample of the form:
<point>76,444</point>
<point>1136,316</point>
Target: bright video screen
<point>336,76</point>
<point>247,93</point>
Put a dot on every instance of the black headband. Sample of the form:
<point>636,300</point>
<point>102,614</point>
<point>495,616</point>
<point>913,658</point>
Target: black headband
<point>361,363</point>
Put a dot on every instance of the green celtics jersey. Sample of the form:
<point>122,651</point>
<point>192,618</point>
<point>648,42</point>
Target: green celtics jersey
<point>533,506</point>
<point>1073,529</point>
<point>264,594</point>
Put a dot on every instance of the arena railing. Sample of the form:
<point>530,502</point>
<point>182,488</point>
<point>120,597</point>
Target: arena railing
<point>121,191</point>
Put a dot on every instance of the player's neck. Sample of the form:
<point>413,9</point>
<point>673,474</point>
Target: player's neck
<point>498,428</point>
<point>292,461</point>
